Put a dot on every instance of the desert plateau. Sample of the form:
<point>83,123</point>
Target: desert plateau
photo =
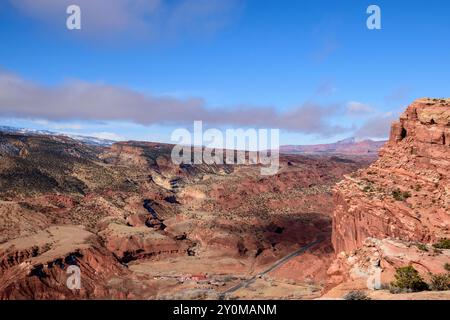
<point>140,227</point>
<point>220,159</point>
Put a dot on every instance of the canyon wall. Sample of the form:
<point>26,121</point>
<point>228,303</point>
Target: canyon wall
<point>405,194</point>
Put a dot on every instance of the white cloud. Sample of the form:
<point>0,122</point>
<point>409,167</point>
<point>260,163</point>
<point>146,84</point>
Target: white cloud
<point>377,127</point>
<point>81,101</point>
<point>59,125</point>
<point>152,19</point>
<point>106,135</point>
<point>358,108</point>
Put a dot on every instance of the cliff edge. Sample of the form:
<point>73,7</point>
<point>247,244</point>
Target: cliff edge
<point>405,194</point>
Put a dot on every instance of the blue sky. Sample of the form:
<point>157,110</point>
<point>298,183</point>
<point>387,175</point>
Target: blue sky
<point>248,63</point>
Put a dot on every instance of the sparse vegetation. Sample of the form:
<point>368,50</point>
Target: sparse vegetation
<point>356,295</point>
<point>408,279</point>
<point>447,267</point>
<point>422,247</point>
<point>442,244</point>
<point>400,195</point>
<point>396,290</point>
<point>440,282</point>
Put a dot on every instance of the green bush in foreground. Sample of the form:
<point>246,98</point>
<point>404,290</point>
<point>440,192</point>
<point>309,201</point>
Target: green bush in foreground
<point>440,282</point>
<point>447,267</point>
<point>356,295</point>
<point>408,279</point>
<point>422,247</point>
<point>442,244</point>
<point>400,196</point>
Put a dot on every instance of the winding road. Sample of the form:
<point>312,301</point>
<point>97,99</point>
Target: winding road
<point>277,264</point>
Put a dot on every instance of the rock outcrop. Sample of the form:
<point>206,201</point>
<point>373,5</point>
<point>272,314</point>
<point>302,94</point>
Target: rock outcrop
<point>405,194</point>
<point>36,267</point>
<point>374,264</point>
<point>131,243</point>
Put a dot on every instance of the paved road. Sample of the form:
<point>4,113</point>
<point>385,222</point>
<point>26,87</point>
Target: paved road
<point>277,264</point>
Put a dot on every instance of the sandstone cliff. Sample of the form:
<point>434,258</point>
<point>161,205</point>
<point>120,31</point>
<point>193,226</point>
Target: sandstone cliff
<point>405,194</point>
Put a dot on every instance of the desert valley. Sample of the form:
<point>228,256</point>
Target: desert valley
<point>140,227</point>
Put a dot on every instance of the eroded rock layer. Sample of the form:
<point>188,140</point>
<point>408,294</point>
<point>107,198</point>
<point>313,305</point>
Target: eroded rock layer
<point>138,226</point>
<point>405,194</point>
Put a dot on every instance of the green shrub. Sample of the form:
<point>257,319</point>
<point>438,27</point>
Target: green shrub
<point>447,267</point>
<point>397,194</point>
<point>356,295</point>
<point>422,247</point>
<point>400,195</point>
<point>408,279</point>
<point>440,282</point>
<point>396,290</point>
<point>442,244</point>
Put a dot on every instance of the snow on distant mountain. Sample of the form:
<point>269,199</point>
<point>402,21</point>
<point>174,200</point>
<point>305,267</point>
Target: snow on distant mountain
<point>84,139</point>
<point>347,146</point>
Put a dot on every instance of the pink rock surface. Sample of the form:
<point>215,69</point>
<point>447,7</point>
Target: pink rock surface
<point>405,194</point>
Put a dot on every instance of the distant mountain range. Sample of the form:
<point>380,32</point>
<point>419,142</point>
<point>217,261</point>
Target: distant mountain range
<point>351,146</point>
<point>84,139</point>
<point>346,146</point>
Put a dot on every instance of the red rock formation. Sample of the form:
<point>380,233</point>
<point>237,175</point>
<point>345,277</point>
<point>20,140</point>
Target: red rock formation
<point>136,224</point>
<point>130,243</point>
<point>405,194</point>
<point>374,264</point>
<point>36,267</point>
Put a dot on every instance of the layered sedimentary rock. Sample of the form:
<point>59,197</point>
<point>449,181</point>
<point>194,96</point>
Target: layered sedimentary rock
<point>37,266</point>
<point>374,265</point>
<point>139,226</point>
<point>405,194</point>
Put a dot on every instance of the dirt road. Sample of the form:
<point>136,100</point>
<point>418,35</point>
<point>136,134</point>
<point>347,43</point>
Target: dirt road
<point>277,264</point>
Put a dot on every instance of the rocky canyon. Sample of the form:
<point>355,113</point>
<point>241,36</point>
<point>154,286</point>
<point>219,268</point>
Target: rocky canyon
<point>390,214</point>
<point>140,227</point>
